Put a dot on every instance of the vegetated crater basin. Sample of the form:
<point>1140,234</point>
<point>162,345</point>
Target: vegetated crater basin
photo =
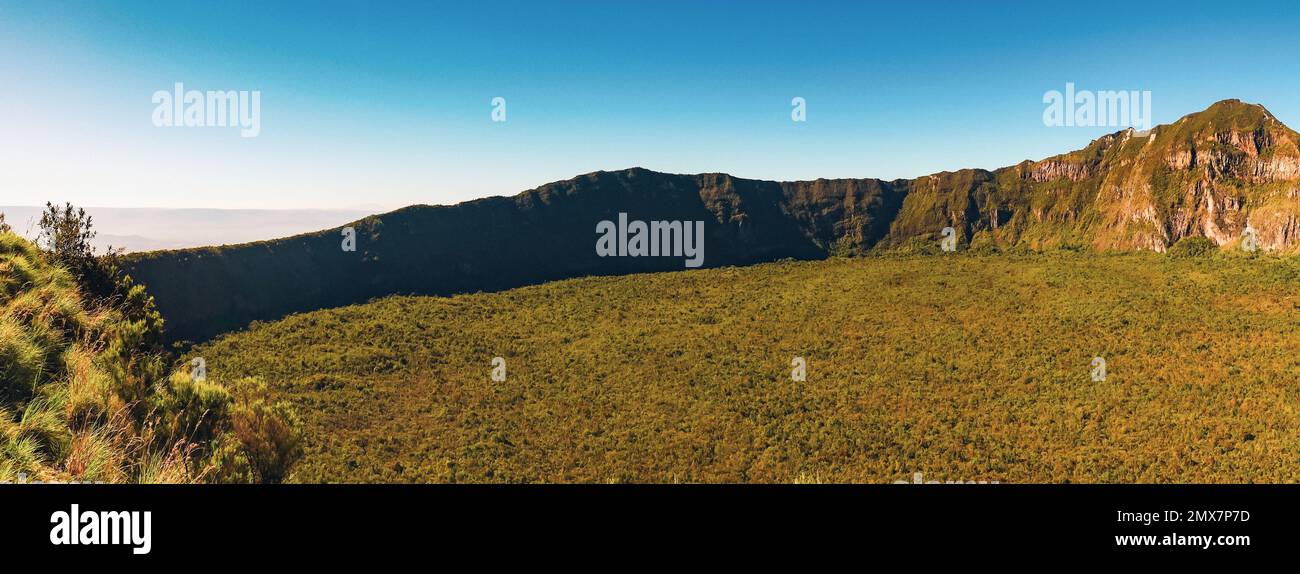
<point>961,367</point>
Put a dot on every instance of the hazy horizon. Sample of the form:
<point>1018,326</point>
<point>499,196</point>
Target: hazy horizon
<point>148,229</point>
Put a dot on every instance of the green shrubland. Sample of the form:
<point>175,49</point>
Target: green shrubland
<point>966,366</point>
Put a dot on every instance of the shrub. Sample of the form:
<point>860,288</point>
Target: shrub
<point>228,462</point>
<point>196,411</point>
<point>269,430</point>
<point>919,246</point>
<point>1193,247</point>
<point>843,248</point>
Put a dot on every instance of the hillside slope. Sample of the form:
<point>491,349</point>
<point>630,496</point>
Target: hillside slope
<point>87,395</point>
<point>966,367</point>
<point>1209,174</point>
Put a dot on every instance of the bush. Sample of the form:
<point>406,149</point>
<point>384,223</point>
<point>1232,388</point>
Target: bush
<point>269,430</point>
<point>196,411</point>
<point>843,248</point>
<point>1193,247</point>
<point>983,243</point>
<point>920,246</point>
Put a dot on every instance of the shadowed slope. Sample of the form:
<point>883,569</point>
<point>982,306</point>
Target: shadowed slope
<point>1208,174</point>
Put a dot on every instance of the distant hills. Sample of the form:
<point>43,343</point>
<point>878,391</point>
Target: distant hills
<point>153,229</point>
<point>1207,175</point>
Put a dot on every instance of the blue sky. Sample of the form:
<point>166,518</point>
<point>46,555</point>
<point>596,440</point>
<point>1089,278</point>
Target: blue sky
<point>380,106</point>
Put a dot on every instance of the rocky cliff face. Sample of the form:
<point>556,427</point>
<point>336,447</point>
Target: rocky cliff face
<point>1209,174</point>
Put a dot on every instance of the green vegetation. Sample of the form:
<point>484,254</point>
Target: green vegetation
<point>1193,247</point>
<point>960,366</point>
<point>86,392</point>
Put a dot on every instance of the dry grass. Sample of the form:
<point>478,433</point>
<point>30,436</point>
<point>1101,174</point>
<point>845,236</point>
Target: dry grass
<point>80,396</point>
<point>962,368</point>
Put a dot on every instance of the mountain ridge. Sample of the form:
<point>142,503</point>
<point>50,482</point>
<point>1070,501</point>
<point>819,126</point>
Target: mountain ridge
<point>1207,174</point>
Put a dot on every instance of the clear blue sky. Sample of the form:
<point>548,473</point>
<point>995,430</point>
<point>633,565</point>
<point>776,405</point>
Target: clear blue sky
<point>388,104</point>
